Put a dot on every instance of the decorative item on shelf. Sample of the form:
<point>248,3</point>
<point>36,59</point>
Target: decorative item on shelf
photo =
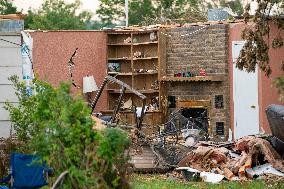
<point>140,71</point>
<point>202,72</point>
<point>188,74</point>
<point>155,85</point>
<point>135,40</point>
<point>139,54</point>
<point>127,40</point>
<point>178,75</point>
<point>151,71</point>
<point>114,67</point>
<point>154,105</point>
<point>153,37</point>
<point>183,74</point>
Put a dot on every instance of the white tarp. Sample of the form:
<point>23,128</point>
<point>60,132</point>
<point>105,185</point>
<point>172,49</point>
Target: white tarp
<point>26,50</point>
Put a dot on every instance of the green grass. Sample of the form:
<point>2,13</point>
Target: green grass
<point>162,182</point>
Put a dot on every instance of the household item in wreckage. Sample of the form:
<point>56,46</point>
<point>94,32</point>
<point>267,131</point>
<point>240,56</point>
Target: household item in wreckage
<point>275,117</point>
<point>27,172</point>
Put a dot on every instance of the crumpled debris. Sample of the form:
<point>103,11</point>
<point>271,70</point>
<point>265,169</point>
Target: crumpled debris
<point>204,158</point>
<point>258,146</point>
<point>263,169</point>
<point>211,177</point>
<point>250,157</point>
<point>206,176</point>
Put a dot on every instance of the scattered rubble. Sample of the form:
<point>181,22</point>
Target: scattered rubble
<point>250,157</point>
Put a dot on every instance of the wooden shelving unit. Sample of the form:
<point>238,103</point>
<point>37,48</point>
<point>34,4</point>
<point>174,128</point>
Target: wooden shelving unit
<point>139,72</point>
<point>193,79</point>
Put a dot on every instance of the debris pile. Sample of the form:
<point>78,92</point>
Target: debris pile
<point>250,157</point>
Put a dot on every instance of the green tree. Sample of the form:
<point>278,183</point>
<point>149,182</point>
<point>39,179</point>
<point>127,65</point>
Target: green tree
<point>56,15</point>
<point>59,128</point>
<point>236,6</point>
<point>7,7</point>
<point>160,11</point>
<point>111,12</point>
<point>258,42</point>
<point>150,12</point>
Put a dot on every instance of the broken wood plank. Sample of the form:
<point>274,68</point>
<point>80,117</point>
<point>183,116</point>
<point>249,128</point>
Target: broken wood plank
<point>248,162</point>
<point>227,173</point>
<point>242,170</point>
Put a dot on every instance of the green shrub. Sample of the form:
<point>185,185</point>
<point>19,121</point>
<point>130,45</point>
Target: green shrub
<point>59,128</point>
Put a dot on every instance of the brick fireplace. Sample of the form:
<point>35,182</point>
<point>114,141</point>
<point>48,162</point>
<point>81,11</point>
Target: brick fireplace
<point>189,50</point>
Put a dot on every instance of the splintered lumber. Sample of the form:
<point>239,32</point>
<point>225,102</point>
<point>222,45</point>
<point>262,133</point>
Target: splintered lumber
<point>242,170</point>
<point>242,177</point>
<point>240,162</point>
<point>227,173</point>
<point>219,171</point>
<point>248,162</point>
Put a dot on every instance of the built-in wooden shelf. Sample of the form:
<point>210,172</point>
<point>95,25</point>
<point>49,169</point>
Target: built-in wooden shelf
<point>149,91</point>
<point>192,79</point>
<point>119,44</point>
<point>146,73</point>
<point>134,44</point>
<point>130,73</point>
<point>145,43</point>
<point>123,58</point>
<point>119,73</point>
<point>123,53</point>
<point>146,58</point>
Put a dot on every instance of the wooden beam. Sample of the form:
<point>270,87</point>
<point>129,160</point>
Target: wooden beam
<point>118,105</point>
<point>98,95</point>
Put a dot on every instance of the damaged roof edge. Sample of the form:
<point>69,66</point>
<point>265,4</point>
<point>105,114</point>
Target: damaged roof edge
<point>33,31</point>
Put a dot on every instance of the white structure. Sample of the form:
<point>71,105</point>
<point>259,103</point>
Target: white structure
<point>10,64</point>
<point>89,84</point>
<point>245,96</point>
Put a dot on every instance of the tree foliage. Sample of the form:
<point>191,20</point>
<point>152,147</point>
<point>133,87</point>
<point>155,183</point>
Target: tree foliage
<point>56,14</point>
<point>258,42</point>
<point>161,11</point>
<point>7,7</point>
<point>59,128</point>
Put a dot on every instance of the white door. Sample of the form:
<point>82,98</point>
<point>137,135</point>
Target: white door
<point>245,96</point>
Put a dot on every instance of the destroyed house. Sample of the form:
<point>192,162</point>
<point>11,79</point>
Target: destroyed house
<point>189,67</point>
